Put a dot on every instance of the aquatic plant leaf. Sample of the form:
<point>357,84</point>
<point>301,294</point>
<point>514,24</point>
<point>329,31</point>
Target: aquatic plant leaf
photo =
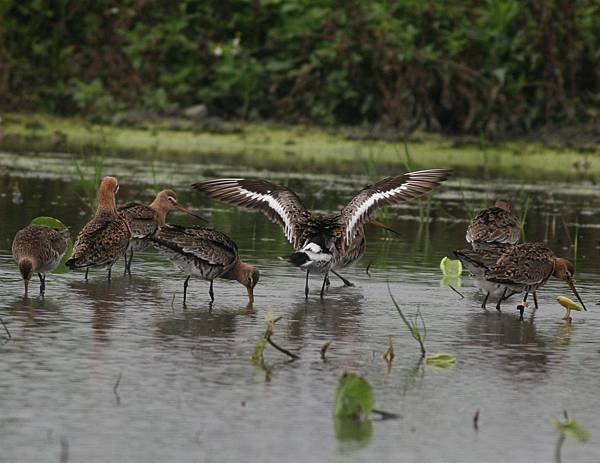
<point>569,304</point>
<point>259,348</point>
<point>354,397</point>
<point>451,267</point>
<point>440,360</point>
<point>352,430</point>
<point>55,223</point>
<point>571,428</point>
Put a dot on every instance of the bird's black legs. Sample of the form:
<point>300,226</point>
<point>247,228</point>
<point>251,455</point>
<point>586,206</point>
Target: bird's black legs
<point>323,287</point>
<point>327,282</point>
<point>86,273</point>
<point>501,299</point>
<point>485,300</point>
<point>42,283</point>
<point>346,282</point>
<point>128,262</point>
<point>185,285</point>
<point>109,273</point>
<point>211,292</point>
<point>535,302</point>
<point>306,286</point>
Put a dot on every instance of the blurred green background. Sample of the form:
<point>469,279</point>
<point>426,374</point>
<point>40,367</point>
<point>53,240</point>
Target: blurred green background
<point>491,68</point>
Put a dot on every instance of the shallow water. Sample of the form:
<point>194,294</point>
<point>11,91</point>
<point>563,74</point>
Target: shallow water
<point>188,390</point>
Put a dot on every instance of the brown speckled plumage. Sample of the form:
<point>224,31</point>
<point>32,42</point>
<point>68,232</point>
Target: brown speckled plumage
<point>493,226</point>
<point>105,238</point>
<point>39,249</point>
<point>204,253</point>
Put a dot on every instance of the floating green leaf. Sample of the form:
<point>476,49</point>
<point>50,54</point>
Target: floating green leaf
<point>570,427</point>
<point>354,397</point>
<point>451,267</point>
<point>353,430</point>
<point>55,223</point>
<point>440,360</point>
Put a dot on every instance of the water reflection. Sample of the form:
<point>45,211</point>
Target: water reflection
<point>28,313</point>
<point>338,314</point>
<point>203,323</point>
<point>520,349</point>
<point>352,434</point>
<point>108,298</point>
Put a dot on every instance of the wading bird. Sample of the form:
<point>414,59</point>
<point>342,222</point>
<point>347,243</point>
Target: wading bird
<point>495,226</point>
<point>323,243</point>
<point>106,237</point>
<point>145,220</point>
<point>39,249</point>
<point>527,267</point>
<point>477,262</point>
<point>207,254</point>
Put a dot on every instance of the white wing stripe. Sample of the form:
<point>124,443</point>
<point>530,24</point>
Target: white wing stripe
<point>364,207</point>
<point>275,206</point>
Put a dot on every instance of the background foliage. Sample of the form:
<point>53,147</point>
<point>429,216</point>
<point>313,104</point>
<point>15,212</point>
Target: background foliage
<point>484,67</point>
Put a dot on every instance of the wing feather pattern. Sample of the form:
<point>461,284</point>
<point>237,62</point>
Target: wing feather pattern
<point>387,192</point>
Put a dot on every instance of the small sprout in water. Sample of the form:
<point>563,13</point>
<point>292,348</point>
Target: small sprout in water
<point>570,427</point>
<point>388,354</point>
<point>324,348</point>
<point>259,347</point>
<point>569,305</point>
<point>354,397</point>
<point>451,267</point>
<point>440,360</point>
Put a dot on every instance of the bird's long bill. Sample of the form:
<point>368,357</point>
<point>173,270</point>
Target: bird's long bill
<point>250,294</point>
<point>377,223</point>
<point>572,286</point>
<point>187,211</point>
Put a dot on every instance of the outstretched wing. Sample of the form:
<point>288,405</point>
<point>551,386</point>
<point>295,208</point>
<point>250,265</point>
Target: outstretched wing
<point>387,192</point>
<point>279,204</point>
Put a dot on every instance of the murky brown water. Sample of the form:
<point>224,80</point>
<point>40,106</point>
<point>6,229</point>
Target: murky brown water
<point>188,390</point>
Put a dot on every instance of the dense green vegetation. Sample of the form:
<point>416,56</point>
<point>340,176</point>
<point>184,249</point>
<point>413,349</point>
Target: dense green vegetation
<point>488,67</point>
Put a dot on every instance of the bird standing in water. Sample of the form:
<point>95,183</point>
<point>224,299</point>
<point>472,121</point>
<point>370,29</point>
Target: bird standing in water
<point>145,221</point>
<point>520,268</point>
<point>489,233</point>
<point>39,249</point>
<point>207,254</point>
<point>323,243</point>
<point>105,237</point>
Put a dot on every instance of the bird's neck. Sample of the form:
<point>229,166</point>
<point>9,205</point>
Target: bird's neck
<point>161,211</point>
<point>107,204</point>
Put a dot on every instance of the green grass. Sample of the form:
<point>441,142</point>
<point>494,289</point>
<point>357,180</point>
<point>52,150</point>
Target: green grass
<point>296,147</point>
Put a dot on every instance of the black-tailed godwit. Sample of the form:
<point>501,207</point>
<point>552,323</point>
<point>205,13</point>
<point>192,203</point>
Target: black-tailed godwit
<point>39,249</point>
<point>106,237</point>
<point>207,254</point>
<point>527,267</point>
<point>145,220</point>
<point>323,243</point>
<point>495,226</point>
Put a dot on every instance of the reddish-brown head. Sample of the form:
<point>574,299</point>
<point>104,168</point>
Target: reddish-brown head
<point>503,204</point>
<point>563,270</point>
<point>106,194</point>
<point>163,203</point>
<point>26,269</point>
<point>246,274</point>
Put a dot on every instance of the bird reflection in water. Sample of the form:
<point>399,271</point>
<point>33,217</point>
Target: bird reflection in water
<point>518,346</point>
<point>110,297</point>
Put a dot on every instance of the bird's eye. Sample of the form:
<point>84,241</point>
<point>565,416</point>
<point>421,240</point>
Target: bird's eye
<point>170,198</point>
